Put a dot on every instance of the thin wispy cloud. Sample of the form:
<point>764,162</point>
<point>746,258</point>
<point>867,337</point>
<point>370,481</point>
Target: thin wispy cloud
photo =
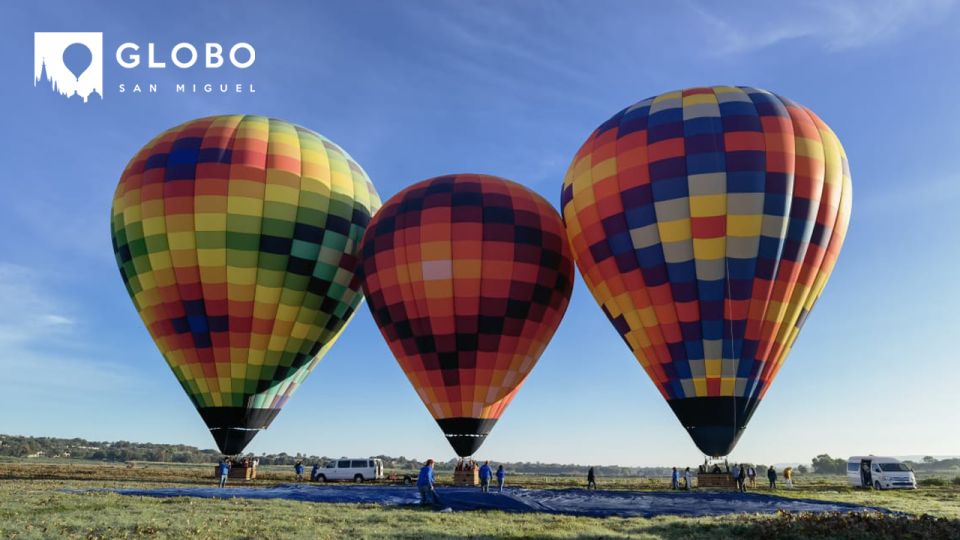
<point>745,27</point>
<point>42,341</point>
<point>909,198</point>
<point>498,37</point>
<point>29,313</point>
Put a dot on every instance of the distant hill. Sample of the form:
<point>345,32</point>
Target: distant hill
<point>918,457</point>
<point>123,451</point>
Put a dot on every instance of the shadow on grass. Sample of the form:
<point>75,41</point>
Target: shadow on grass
<point>788,525</point>
<point>120,479</point>
<point>781,526</point>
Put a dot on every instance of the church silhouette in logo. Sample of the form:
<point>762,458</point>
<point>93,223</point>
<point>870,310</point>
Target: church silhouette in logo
<point>45,77</point>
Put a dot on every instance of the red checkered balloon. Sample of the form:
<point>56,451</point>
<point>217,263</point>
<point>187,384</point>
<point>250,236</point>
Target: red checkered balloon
<point>467,277</point>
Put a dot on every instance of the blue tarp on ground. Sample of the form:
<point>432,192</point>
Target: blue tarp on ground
<point>554,501</point>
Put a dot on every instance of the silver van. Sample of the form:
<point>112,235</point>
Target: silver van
<point>879,472</point>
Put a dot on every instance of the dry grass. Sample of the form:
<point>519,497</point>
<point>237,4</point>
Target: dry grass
<point>34,505</point>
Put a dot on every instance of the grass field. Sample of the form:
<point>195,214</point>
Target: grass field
<point>34,505</point>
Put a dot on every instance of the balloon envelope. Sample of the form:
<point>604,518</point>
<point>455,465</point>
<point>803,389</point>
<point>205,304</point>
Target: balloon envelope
<point>706,223</point>
<point>236,237</point>
<point>467,277</point>
<point>77,57</point>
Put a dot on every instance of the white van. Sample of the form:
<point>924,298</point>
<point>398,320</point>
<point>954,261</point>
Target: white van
<point>358,470</point>
<point>879,472</point>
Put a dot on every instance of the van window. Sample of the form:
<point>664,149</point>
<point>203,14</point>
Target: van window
<point>894,467</point>
<point>356,464</point>
<point>331,464</point>
<point>853,466</point>
<point>343,464</point>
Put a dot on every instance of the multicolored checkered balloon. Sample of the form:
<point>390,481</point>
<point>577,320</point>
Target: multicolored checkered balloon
<point>706,223</point>
<point>467,277</point>
<point>237,239</point>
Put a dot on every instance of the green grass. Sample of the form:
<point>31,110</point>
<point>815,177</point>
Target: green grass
<point>33,505</point>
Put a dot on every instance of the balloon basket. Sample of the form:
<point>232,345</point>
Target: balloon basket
<point>241,471</point>
<point>466,478</point>
<point>466,473</point>
<point>716,480</point>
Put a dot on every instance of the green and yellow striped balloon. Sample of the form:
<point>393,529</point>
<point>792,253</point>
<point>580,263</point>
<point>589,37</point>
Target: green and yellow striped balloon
<point>237,239</point>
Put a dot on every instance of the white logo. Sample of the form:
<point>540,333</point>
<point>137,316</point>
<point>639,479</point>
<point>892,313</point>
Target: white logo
<point>71,63</point>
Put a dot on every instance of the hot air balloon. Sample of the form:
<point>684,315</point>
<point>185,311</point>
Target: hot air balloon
<point>706,222</point>
<point>237,239</point>
<point>467,277</point>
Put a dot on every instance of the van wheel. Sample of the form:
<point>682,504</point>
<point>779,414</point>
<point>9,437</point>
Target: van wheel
<point>358,478</point>
<point>876,485</point>
<point>322,478</point>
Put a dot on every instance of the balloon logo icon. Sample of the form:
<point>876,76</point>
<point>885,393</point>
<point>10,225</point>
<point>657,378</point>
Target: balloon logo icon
<point>77,57</point>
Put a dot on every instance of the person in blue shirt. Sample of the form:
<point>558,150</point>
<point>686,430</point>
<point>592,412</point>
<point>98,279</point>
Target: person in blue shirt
<point>298,468</point>
<point>223,470</point>
<point>425,484</point>
<point>501,474</point>
<point>485,475</point>
<point>675,479</point>
<point>314,472</point>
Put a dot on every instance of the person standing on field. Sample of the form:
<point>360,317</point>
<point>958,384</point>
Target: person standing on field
<point>788,477</point>
<point>772,477</point>
<point>425,485</point>
<point>591,479</point>
<point>485,475</point>
<point>298,469</point>
<point>223,470</point>
<point>675,479</point>
<point>752,476</point>
<point>501,474</point>
<point>687,479</point>
<point>742,479</point>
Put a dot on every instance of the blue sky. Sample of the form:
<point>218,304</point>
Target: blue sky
<point>417,89</point>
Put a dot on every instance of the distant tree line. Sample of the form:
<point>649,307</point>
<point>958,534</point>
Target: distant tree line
<point>932,464</point>
<point>824,464</point>
<point>20,446</point>
<point>123,451</point>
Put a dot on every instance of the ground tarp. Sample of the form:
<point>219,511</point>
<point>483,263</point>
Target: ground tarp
<point>555,501</point>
